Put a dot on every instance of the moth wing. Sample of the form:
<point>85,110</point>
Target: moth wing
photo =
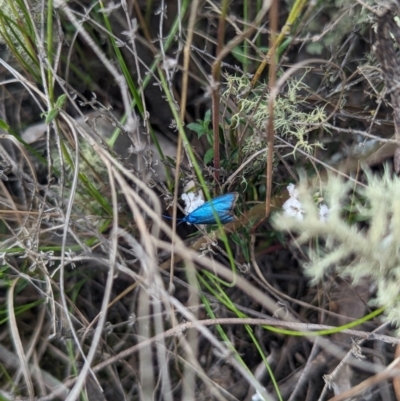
<point>227,217</point>
<point>202,215</point>
<point>222,205</point>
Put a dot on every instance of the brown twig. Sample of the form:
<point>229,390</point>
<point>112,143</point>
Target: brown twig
<point>215,95</point>
<point>215,81</point>
<point>391,371</point>
<point>390,65</point>
<point>294,13</point>
<point>273,16</point>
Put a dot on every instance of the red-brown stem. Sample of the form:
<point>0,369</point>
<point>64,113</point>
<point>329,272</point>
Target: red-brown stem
<point>215,85</point>
<point>273,20</point>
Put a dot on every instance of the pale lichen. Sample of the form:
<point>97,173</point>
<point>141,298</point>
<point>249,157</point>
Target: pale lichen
<point>291,121</point>
<point>358,238</point>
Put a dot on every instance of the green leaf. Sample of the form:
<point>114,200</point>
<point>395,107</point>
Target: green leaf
<point>209,156</point>
<point>207,118</point>
<point>51,115</point>
<point>4,125</point>
<point>197,128</point>
<point>238,53</point>
<point>60,101</point>
<point>315,48</point>
<point>202,126</point>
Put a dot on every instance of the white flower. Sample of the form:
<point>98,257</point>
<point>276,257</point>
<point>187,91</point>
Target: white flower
<point>192,201</point>
<point>293,192</point>
<point>323,212</point>
<point>293,207</point>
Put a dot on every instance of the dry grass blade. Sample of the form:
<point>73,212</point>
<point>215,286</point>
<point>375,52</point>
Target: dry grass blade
<point>111,112</point>
<point>15,335</point>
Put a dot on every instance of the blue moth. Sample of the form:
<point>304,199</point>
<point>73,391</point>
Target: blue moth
<point>221,205</point>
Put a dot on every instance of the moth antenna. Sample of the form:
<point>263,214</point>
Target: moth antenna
<point>170,218</point>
